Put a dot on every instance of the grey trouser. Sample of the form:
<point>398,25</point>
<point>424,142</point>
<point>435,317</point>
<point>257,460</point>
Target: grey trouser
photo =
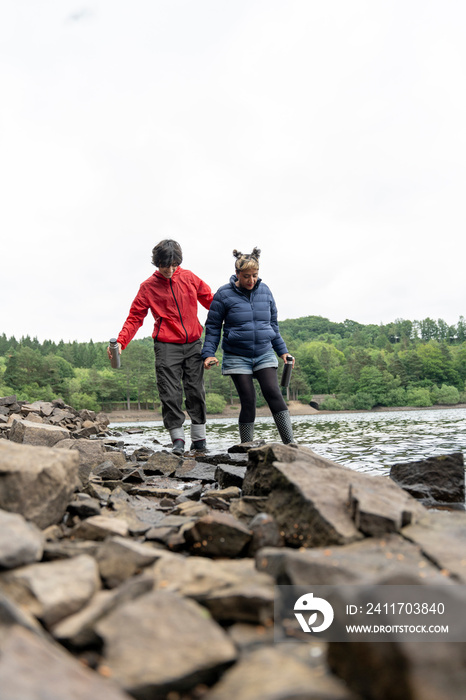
<point>178,367</point>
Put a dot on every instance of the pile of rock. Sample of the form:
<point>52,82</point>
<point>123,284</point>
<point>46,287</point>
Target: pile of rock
<point>148,575</point>
<point>78,424</point>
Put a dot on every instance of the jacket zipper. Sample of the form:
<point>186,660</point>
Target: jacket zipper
<point>158,329</point>
<point>179,312</point>
<point>250,300</point>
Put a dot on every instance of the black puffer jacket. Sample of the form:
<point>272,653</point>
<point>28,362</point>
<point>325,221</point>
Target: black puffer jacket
<point>250,326</point>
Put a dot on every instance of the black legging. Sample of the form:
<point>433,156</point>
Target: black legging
<point>268,383</point>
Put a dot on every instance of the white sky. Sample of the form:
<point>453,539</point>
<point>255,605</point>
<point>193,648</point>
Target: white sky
<point>330,134</point>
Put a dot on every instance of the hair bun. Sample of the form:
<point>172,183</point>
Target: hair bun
<point>237,254</point>
<point>256,253</point>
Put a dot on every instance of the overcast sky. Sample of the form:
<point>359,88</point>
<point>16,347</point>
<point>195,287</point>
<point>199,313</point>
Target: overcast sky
<point>330,134</point>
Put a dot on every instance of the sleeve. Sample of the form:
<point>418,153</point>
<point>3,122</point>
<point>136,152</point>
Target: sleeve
<point>213,327</point>
<point>278,343</point>
<point>136,316</point>
<point>204,294</point>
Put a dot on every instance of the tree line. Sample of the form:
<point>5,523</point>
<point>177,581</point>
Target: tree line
<point>349,365</point>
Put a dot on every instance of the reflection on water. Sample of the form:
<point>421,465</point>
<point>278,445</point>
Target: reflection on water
<point>368,442</point>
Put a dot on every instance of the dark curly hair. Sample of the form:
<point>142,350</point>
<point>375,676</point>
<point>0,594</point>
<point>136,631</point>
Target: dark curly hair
<point>167,253</point>
<point>247,261</point>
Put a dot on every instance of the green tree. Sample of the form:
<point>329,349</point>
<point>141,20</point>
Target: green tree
<point>316,360</point>
<point>436,362</point>
<point>24,366</point>
<point>447,395</point>
<point>377,384</point>
<point>418,396</point>
<point>215,403</point>
<point>429,329</point>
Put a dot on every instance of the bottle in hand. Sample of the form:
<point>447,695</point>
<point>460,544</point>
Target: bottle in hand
<point>286,375</point>
<point>115,361</point>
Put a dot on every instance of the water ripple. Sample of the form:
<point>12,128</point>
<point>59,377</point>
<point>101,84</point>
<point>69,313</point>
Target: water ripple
<point>367,442</point>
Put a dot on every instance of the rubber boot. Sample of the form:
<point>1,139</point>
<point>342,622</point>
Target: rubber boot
<point>177,436</point>
<point>198,441</point>
<point>246,432</point>
<point>284,427</point>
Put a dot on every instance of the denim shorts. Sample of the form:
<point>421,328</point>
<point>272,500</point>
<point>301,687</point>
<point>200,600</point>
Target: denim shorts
<point>237,364</point>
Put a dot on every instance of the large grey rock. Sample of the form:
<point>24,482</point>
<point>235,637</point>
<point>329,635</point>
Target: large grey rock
<point>119,558</point>
<point>37,482</point>
<point>230,475</point>
<point>8,400</point>
<point>309,496</point>
<point>441,535</point>
<point>390,671</point>
<point>52,590</point>
<point>168,644</point>
<point>78,630</point>
<point>12,615</point>
<point>438,478</point>
<point>217,535</point>
<point>272,674</point>
<point>98,527</point>
<point>42,408</point>
<point>107,471</point>
<point>32,433</point>
<point>163,462</point>
<point>230,589</point>
<point>32,668</point>
<point>91,454</point>
<point>371,560</point>
<point>196,470</point>
<point>379,506</point>
<point>21,542</point>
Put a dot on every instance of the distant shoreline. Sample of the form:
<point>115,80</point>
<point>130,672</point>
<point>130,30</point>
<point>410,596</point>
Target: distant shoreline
<point>295,407</point>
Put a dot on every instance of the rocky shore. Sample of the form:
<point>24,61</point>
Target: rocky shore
<point>146,575</point>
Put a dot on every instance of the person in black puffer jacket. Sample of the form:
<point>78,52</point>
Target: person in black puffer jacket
<point>246,310</point>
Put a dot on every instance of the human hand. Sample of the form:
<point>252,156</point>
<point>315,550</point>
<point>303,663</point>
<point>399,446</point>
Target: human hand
<point>109,352</point>
<point>211,362</point>
<point>286,356</point>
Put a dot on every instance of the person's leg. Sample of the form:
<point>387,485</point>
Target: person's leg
<point>194,391</point>
<point>247,396</point>
<point>168,371</point>
<point>268,382</point>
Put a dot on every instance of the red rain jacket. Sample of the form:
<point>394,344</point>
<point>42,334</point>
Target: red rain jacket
<point>173,303</point>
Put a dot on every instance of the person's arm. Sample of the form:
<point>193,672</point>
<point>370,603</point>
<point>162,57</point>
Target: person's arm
<point>278,343</point>
<point>204,294</point>
<point>136,316</point>
<point>213,328</point>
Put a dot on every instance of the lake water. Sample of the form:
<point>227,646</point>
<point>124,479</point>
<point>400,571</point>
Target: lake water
<point>367,442</point>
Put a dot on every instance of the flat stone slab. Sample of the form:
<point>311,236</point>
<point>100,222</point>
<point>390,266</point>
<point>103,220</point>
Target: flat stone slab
<point>372,560</point>
<point>439,478</point>
<point>30,433</point>
<point>317,502</point>
<point>33,668</point>
<point>162,642</point>
<point>233,590</point>
<point>273,674</point>
<point>20,542</point>
<point>441,535</point>
<point>37,482</point>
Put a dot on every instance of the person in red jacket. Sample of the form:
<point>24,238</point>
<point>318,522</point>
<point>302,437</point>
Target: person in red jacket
<point>172,294</point>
